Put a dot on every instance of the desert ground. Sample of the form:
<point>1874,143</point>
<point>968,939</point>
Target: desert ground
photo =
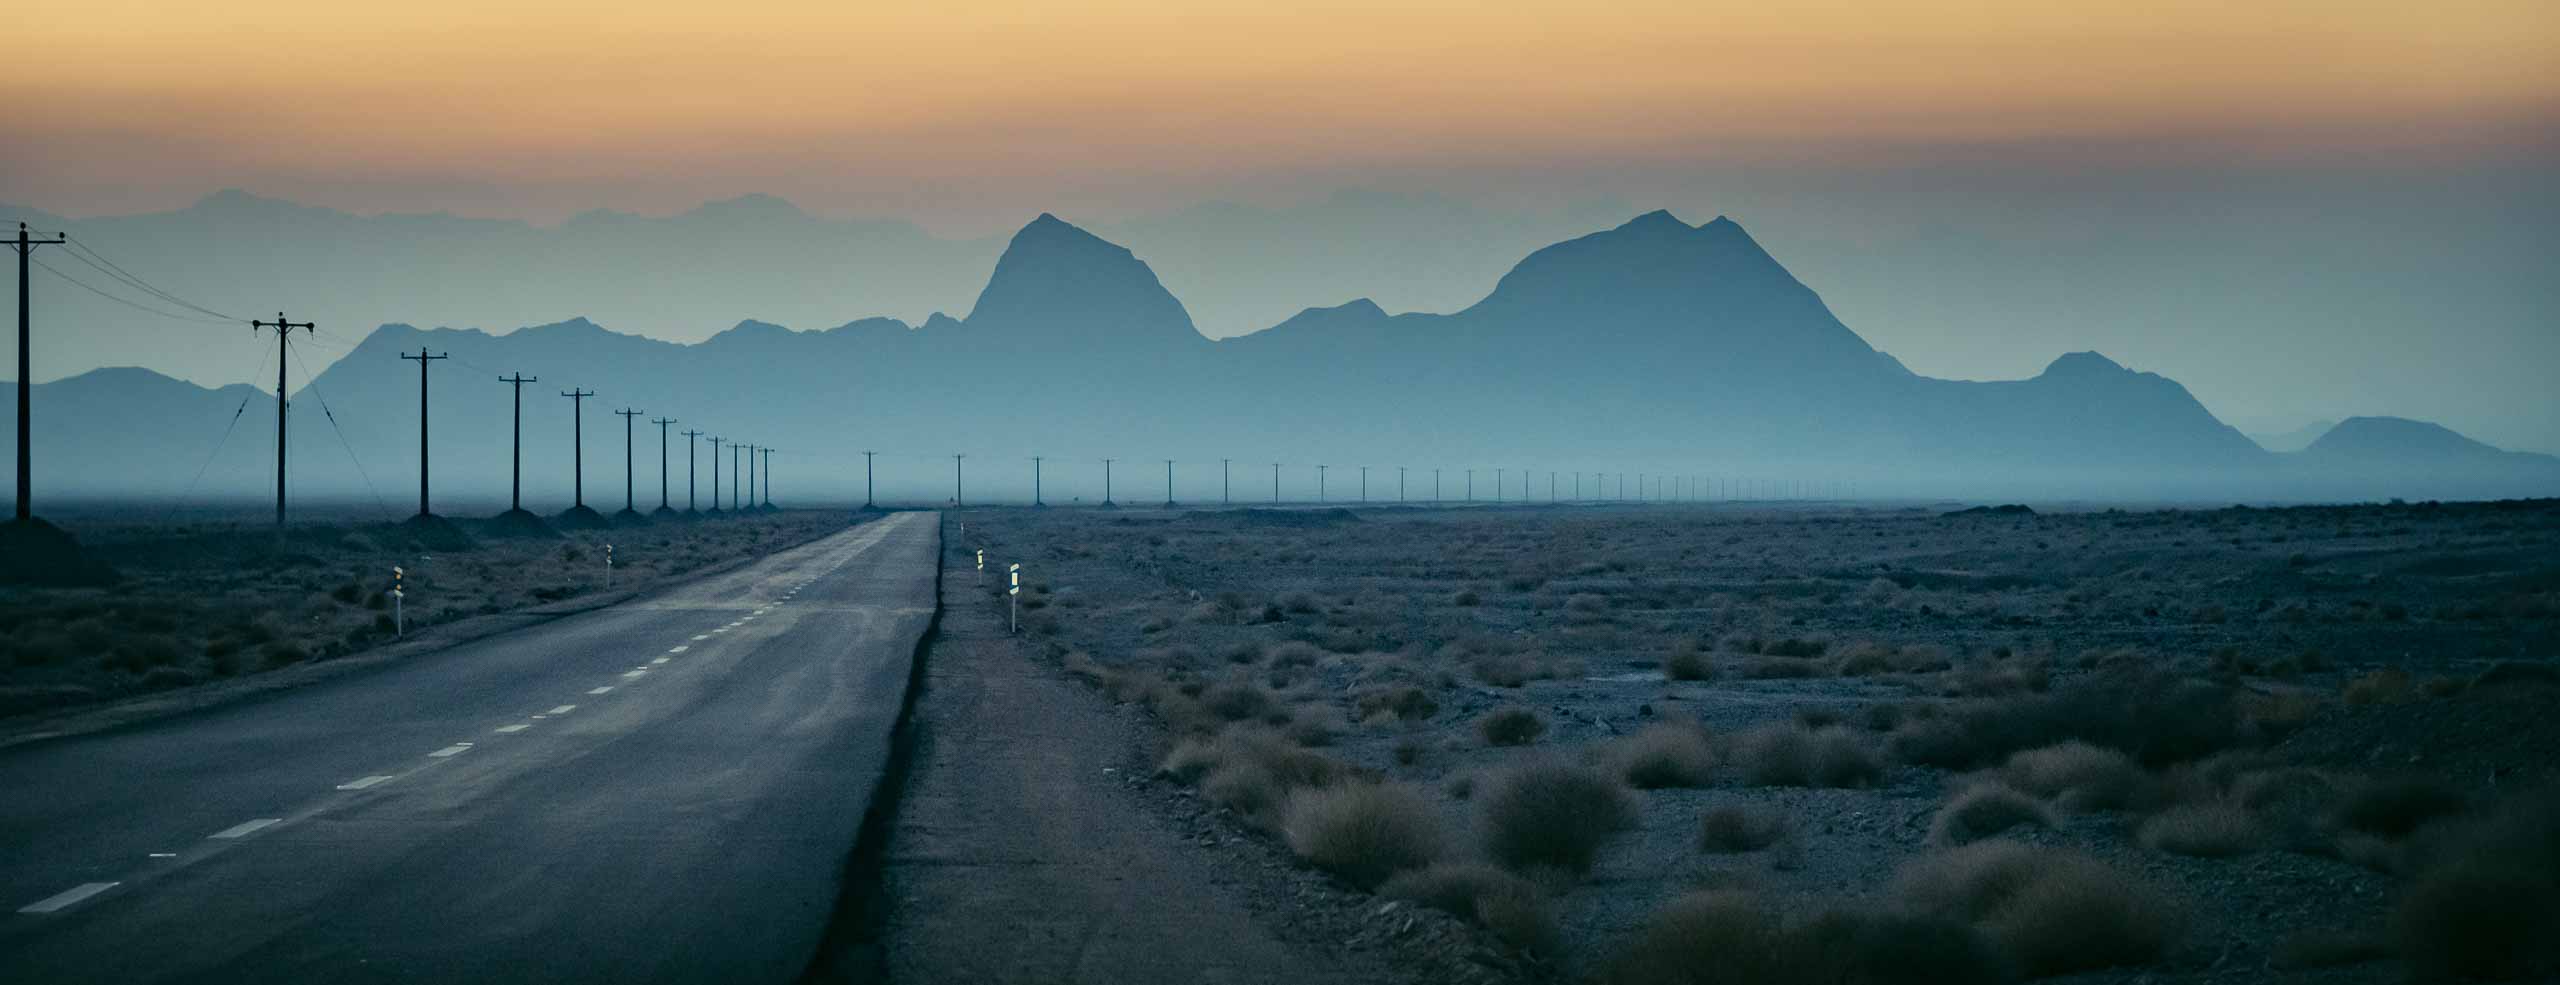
<point>214,599</point>
<point>1809,742</point>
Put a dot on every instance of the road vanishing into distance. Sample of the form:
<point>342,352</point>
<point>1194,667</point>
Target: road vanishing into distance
<point>661,790</point>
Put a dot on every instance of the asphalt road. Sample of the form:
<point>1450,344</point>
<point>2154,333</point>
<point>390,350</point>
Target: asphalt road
<point>663,790</point>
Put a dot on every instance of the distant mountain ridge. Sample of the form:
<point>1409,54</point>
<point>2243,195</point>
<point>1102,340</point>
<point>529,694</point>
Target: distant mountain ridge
<point>1652,348</point>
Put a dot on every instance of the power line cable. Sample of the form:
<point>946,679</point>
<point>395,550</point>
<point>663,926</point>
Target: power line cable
<point>112,269</point>
<point>312,383</point>
<point>227,429</point>
<point>135,305</point>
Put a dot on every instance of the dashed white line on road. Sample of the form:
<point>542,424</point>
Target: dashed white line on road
<point>660,660</point>
<point>562,710</point>
<point>513,729</point>
<point>246,828</point>
<point>455,749</point>
<point>601,690</point>
<point>68,897</point>
<point>678,649</point>
<point>363,783</point>
<point>699,637</point>
<point>628,674</point>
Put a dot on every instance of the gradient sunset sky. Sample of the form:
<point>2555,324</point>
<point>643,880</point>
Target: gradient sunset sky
<point>2302,210</point>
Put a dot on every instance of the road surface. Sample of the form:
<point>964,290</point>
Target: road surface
<point>663,790</point>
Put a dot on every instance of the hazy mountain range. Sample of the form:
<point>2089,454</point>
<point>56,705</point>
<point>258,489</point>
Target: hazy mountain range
<point>1656,347</point>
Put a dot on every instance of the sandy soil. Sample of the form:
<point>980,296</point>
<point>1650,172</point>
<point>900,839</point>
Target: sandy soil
<point>2269,670</point>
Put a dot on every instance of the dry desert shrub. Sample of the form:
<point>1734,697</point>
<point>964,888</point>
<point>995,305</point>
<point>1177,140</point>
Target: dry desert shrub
<point>2388,686</point>
<point>2079,775</point>
<point>1728,936</point>
<point>1407,703</point>
<point>1514,726</point>
<point>1735,828</point>
<point>2205,830</point>
<point>1688,665</point>
<point>1238,701</point>
<point>1791,755</point>
<point>2049,910</point>
<point>2157,719</point>
<point>2393,807</point>
<point>1249,770</point>
<point>1983,810</point>
<point>1510,906</point>
<point>1553,814</point>
<point>1363,832</point>
<point>1668,754</point>
<point>2486,900</point>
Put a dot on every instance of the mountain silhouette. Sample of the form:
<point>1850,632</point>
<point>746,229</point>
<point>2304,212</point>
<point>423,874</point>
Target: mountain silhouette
<point>1655,346</point>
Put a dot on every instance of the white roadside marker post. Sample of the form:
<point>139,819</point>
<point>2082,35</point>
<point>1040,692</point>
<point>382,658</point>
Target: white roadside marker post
<point>608,566</point>
<point>1013,600</point>
<point>982,565</point>
<point>399,612</point>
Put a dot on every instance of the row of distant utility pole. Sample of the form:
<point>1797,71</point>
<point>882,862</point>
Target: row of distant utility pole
<point>1650,488</point>
<point>746,479</point>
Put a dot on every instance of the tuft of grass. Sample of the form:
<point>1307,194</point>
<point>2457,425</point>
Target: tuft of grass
<point>1688,665</point>
<point>1553,814</point>
<point>1455,887</point>
<point>1667,754</point>
<point>1238,701</point>
<point>2394,807</point>
<point>1249,770</point>
<point>1983,810</point>
<point>1792,755</point>
<point>2050,910</point>
<point>1514,726</point>
<point>2388,686</point>
<point>2486,899</point>
<point>2079,775</point>
<point>1729,936</point>
<point>1740,828</point>
<point>1364,832</point>
<point>2206,830</point>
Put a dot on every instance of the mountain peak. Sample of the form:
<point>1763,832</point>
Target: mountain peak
<point>1060,285</point>
<point>2084,364</point>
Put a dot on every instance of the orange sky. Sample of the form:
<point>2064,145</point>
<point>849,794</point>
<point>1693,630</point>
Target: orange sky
<point>653,106</point>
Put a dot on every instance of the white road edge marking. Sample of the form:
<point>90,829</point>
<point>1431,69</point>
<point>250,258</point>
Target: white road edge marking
<point>455,749</point>
<point>679,649</point>
<point>245,828</point>
<point>68,897</point>
<point>512,729</point>
<point>562,710</point>
<point>363,783</point>
<point>601,690</point>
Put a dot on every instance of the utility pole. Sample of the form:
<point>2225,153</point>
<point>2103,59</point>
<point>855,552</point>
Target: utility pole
<point>689,437</point>
<point>662,463</point>
<point>515,468</point>
<point>1225,489</point>
<point>766,485</point>
<point>1035,482</point>
<point>866,480</point>
<point>747,480</point>
<point>1275,483</point>
<point>1399,483</point>
<point>1168,483</point>
<point>1320,483</point>
<point>1106,483</point>
<point>1471,485</point>
<point>715,474</point>
<point>627,414</point>
<point>1435,487</point>
<point>956,498</point>
<point>26,487</point>
<point>577,445</point>
<point>422,358</point>
<point>1497,485</point>
<point>284,331</point>
<point>736,478</point>
<point>1364,483</point>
